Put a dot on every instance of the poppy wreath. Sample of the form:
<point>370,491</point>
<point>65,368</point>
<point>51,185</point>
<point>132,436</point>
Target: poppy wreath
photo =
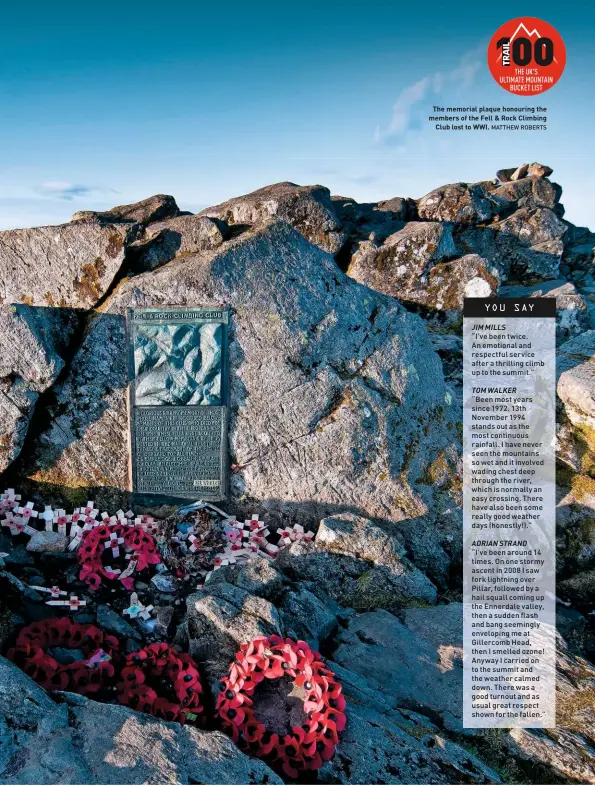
<point>161,681</point>
<point>135,541</point>
<point>94,675</point>
<point>307,746</point>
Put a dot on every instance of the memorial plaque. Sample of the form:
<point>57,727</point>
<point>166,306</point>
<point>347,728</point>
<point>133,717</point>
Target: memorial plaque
<point>177,361</point>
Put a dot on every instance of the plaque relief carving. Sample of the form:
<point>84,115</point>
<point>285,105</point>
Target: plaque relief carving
<point>177,360</point>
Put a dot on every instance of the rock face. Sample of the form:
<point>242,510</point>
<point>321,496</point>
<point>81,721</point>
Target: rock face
<point>71,265</point>
<point>332,386</point>
<point>400,748</point>
<point>307,208</point>
<point>81,741</point>
<point>33,344</point>
<point>90,413</point>
<point>417,667</point>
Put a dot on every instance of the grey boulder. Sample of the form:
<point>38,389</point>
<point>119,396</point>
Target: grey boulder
<point>458,202</point>
<point>176,237</point>
<point>526,244</point>
<point>307,208</point>
<point>539,170</point>
<point>219,619</point>
<point>401,265</point>
<point>358,564</point>
<point>71,265</point>
<point>258,576</point>
<point>155,208</point>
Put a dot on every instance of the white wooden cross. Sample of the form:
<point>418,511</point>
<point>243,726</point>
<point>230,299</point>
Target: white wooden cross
<point>254,523</point>
<point>10,497</point>
<point>76,534</point>
<point>90,510</point>
<point>55,592</point>
<point>17,525</point>
<point>113,543</point>
<point>74,603</point>
<point>48,517</point>
<point>61,519</point>
<point>27,511</point>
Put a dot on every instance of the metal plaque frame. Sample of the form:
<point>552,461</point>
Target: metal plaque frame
<point>162,462</point>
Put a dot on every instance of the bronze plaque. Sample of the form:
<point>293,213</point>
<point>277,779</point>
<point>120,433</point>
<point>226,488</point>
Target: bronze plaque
<point>177,361</point>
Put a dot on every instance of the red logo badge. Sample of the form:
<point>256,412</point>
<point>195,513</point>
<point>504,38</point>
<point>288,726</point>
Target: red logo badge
<point>526,56</point>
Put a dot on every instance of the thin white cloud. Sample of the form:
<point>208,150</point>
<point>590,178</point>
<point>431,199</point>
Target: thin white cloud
<point>406,114</point>
<point>66,191</point>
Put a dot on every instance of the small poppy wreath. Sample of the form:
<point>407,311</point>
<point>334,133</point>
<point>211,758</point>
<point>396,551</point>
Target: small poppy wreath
<point>307,746</point>
<point>137,544</point>
<point>90,676</point>
<point>161,681</point>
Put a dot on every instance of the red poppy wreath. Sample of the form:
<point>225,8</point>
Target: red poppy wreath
<point>92,674</point>
<point>306,744</point>
<point>161,681</point>
<point>101,545</point>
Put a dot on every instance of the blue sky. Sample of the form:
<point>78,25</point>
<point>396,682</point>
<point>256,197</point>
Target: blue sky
<point>109,103</point>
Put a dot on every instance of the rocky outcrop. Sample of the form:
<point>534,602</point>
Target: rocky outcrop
<point>415,666</point>
<point>306,208</point>
<point>528,243</point>
<point>332,386</point>
<point>33,345</point>
<point>489,231</point>
<point>375,220</point>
